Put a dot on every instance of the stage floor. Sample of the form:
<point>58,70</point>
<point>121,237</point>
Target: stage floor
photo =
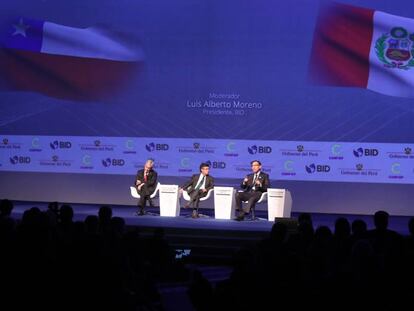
<point>207,221</point>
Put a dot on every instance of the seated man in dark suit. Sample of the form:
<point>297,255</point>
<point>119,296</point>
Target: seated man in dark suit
<point>197,187</point>
<point>253,186</point>
<point>146,183</point>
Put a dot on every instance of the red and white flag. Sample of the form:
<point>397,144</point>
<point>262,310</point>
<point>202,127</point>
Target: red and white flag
<point>358,47</point>
<point>65,62</point>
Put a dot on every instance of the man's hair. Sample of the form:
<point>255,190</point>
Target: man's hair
<point>204,165</point>
<point>260,163</point>
<point>151,161</point>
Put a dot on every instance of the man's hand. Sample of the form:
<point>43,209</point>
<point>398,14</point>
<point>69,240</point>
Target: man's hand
<point>245,180</point>
<point>204,190</point>
<point>140,186</point>
<point>137,182</point>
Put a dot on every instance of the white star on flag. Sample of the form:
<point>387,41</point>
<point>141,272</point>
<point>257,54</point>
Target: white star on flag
<point>20,28</point>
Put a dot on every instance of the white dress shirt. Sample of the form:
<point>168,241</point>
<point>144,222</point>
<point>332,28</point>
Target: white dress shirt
<point>203,186</point>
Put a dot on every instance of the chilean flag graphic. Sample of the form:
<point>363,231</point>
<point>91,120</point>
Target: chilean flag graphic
<point>65,62</point>
<point>359,47</point>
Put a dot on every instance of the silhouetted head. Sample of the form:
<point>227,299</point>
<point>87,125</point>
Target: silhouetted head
<point>342,227</point>
<point>66,213</point>
<point>279,231</point>
<point>381,220</point>
<point>6,207</point>
<point>53,206</point>
<point>359,227</point>
<point>105,213</point>
<point>411,225</point>
<point>305,217</point>
<point>31,216</point>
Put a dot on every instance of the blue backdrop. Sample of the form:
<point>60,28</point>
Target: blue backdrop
<point>225,76</point>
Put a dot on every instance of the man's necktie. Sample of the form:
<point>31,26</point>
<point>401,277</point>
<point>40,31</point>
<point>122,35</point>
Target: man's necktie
<point>200,183</point>
<point>145,176</point>
<point>254,182</point>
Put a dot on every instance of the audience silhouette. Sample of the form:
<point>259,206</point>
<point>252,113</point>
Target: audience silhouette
<point>55,263</point>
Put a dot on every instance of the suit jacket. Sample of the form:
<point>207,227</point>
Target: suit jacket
<point>151,183</point>
<point>192,183</point>
<point>263,178</point>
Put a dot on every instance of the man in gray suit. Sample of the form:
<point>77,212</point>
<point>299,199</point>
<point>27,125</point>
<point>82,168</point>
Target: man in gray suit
<point>146,183</point>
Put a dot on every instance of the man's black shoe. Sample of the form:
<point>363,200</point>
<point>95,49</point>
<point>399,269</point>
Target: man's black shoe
<point>240,217</point>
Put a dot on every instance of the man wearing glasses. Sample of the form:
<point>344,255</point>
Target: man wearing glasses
<point>253,186</point>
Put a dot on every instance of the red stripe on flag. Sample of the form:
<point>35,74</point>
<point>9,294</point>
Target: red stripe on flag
<point>64,76</point>
<point>341,45</point>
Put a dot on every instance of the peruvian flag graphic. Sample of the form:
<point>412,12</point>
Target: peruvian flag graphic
<point>358,47</point>
<point>65,62</point>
